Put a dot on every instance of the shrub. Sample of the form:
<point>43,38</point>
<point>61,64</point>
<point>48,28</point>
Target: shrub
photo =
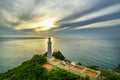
<point>117,69</point>
<point>109,75</point>
<point>93,67</point>
<point>58,55</point>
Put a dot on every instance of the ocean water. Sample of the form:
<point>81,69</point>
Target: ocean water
<point>102,52</point>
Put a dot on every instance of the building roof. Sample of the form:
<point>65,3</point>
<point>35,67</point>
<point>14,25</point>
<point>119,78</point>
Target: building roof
<point>48,66</point>
<point>75,68</point>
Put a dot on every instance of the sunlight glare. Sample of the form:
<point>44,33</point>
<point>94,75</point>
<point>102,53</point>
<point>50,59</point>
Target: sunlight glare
<point>49,23</point>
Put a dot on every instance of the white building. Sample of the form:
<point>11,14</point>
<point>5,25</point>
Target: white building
<point>49,55</point>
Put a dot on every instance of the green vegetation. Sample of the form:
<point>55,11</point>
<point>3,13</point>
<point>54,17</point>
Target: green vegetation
<point>29,70</point>
<point>39,59</point>
<point>117,69</point>
<point>66,60</point>
<point>79,64</point>
<point>33,70</point>
<point>110,75</point>
<point>93,67</point>
<point>61,74</point>
<point>45,54</point>
<point>58,55</point>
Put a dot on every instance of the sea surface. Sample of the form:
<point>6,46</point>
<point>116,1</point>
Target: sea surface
<point>102,52</point>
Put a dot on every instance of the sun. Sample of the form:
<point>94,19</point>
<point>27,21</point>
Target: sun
<point>46,25</point>
<point>49,23</point>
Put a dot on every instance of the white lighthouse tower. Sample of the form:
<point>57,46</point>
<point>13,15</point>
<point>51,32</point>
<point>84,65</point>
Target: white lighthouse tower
<point>49,55</point>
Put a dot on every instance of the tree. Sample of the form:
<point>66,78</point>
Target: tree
<point>79,63</point>
<point>58,55</point>
<point>93,67</point>
<point>39,59</point>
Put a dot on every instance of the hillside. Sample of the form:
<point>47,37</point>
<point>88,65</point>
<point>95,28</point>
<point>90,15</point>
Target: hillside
<point>33,70</point>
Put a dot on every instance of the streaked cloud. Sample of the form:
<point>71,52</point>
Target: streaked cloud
<point>98,5</point>
<point>31,15</point>
<point>24,13</point>
<point>100,24</point>
<point>102,12</point>
<point>60,29</point>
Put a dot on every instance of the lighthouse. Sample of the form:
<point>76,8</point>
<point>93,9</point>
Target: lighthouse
<point>49,55</point>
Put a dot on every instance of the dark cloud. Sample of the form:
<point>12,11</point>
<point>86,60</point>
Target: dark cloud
<point>103,18</point>
<point>98,6</point>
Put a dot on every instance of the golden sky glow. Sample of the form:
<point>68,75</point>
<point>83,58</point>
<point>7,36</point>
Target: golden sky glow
<point>49,23</point>
<point>38,25</point>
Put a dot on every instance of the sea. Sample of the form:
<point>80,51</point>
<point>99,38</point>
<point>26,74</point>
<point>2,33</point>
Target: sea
<point>104,53</point>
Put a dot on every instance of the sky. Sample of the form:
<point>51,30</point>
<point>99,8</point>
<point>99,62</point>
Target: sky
<point>60,18</point>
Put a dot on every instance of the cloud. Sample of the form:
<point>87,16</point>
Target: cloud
<point>37,25</point>
<point>60,29</point>
<point>28,15</point>
<point>19,12</point>
<point>94,7</point>
<point>103,18</point>
<point>100,24</point>
<point>103,12</point>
